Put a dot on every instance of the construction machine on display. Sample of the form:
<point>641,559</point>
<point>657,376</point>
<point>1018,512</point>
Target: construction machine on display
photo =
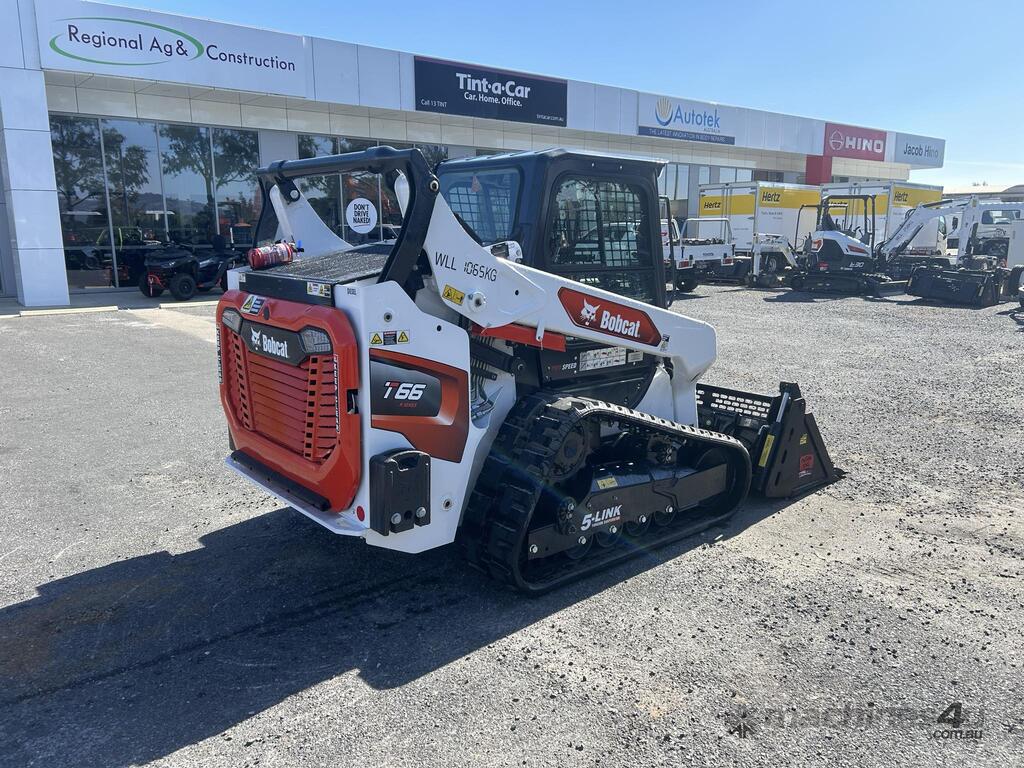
<point>504,375</point>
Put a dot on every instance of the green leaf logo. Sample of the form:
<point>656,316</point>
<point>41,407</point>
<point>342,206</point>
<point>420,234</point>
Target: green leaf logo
<point>184,45</point>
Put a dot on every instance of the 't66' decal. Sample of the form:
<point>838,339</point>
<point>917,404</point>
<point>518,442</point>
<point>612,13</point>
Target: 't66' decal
<point>403,390</point>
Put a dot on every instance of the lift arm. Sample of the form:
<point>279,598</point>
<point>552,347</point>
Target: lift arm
<point>491,291</point>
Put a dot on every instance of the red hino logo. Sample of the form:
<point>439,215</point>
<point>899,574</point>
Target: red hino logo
<point>853,142</point>
<point>609,317</point>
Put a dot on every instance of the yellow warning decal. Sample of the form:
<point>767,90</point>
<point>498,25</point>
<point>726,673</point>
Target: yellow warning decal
<point>453,295</point>
<point>375,338</point>
<point>803,439</point>
<point>607,482</point>
<point>403,337</point>
<point>769,441</point>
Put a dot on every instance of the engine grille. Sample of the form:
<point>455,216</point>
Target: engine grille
<point>293,406</point>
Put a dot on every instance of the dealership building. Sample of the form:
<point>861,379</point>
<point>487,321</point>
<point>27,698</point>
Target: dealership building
<point>126,129</point>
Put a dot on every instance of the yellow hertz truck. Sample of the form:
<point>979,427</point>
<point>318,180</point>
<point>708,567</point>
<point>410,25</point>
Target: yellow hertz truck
<point>893,201</point>
<point>768,221</point>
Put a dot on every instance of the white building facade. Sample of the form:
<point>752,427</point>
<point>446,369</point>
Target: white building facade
<point>125,129</point>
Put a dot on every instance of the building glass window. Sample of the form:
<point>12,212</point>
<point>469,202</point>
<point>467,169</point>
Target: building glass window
<point>744,174</point>
<point>137,216</point>
<point>127,187</point>
<point>330,194</point>
<point>187,166</point>
<point>322,192</point>
<point>236,156</point>
<point>81,197</point>
<point>726,174</point>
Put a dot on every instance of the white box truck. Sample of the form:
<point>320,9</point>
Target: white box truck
<point>893,201</point>
<point>760,209</point>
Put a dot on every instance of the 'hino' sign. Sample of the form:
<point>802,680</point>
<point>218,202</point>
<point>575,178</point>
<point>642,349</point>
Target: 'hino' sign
<point>112,40</point>
<point>853,142</point>
<point>466,89</point>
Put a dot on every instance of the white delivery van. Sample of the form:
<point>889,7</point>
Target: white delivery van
<point>893,201</point>
<point>761,209</point>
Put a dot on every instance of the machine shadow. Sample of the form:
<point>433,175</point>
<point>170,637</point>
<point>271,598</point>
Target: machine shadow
<point>126,663</point>
<point>922,302</point>
<point>1017,315</point>
<point>804,297</point>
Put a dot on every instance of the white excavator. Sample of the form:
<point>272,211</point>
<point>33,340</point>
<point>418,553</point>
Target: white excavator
<point>504,375</point>
<point>968,273</point>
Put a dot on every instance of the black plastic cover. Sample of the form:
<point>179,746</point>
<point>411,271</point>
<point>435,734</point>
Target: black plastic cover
<point>399,491</point>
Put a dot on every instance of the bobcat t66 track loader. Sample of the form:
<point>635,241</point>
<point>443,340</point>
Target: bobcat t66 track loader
<point>501,375</point>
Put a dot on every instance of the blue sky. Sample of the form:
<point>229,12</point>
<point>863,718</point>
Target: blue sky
<point>935,68</point>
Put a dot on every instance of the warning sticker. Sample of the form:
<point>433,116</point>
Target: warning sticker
<point>253,304</point>
<point>607,482</point>
<point>453,295</point>
<point>806,463</point>
<point>803,439</point>
<point>387,338</point>
<point>768,442</point>
<point>323,290</point>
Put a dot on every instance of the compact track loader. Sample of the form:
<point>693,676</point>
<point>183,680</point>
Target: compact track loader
<point>503,375</point>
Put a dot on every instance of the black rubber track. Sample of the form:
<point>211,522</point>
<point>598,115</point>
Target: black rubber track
<point>519,467</point>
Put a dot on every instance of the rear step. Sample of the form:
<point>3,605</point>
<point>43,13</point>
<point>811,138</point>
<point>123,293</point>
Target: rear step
<point>788,455</point>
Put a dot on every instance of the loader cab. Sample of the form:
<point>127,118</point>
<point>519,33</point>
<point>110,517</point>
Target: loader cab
<point>589,217</point>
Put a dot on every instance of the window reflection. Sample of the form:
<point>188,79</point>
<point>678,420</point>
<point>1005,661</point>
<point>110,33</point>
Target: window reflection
<point>187,166</point>
<point>137,213</point>
<point>329,195</point>
<point>78,166</point>
<point>236,156</point>
<point>191,185</point>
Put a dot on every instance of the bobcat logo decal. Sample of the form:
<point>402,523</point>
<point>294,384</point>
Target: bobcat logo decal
<point>589,312</point>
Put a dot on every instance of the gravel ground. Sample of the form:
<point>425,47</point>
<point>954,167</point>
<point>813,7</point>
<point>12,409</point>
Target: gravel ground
<point>156,609</point>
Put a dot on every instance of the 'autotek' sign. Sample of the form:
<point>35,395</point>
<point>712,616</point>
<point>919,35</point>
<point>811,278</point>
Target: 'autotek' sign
<point>107,39</point>
<point>853,142</point>
<point>465,89</point>
<point>685,119</point>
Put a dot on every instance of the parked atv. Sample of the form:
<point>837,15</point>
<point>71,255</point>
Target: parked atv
<point>184,273</point>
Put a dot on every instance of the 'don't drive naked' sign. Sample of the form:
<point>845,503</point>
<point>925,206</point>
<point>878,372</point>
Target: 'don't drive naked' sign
<point>466,89</point>
<point>112,40</point>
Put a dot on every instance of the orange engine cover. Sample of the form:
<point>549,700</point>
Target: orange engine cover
<point>286,407</point>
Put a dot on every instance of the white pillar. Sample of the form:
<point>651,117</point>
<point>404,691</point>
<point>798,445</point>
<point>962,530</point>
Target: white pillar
<point>26,159</point>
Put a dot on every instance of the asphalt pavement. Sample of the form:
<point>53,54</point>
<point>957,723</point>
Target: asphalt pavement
<point>154,608</point>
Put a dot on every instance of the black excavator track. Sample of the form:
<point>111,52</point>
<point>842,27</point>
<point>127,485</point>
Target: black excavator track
<point>848,283</point>
<point>642,481</point>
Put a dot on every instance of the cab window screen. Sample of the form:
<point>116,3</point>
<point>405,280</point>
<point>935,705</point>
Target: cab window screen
<point>485,200</point>
<point>600,236</point>
<point>601,224</point>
